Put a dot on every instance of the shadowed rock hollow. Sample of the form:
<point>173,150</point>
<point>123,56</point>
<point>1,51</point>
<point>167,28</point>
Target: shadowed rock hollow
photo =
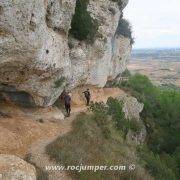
<point>39,57</point>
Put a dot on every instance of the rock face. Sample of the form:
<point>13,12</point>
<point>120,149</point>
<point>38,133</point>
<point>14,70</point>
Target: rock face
<point>36,61</point>
<point>12,167</point>
<point>132,109</point>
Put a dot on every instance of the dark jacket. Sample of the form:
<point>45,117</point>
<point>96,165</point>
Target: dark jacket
<point>87,94</point>
<point>67,99</point>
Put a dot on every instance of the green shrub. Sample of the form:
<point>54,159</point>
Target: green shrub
<point>126,73</point>
<point>100,115</point>
<point>122,124</point>
<point>83,27</point>
<point>115,110</point>
<point>124,28</point>
<point>158,167</point>
<point>58,83</point>
<point>176,156</point>
<point>99,109</point>
<point>140,83</point>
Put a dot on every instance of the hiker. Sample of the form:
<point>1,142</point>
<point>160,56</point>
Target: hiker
<point>67,103</point>
<point>87,95</point>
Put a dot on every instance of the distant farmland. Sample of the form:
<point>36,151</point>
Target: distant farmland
<point>161,65</point>
<point>157,54</point>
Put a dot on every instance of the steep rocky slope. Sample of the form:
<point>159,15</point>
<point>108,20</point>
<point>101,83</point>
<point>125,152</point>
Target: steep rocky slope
<point>38,57</point>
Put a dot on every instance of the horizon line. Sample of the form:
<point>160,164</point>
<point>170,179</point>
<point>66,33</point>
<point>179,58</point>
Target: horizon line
<point>136,48</point>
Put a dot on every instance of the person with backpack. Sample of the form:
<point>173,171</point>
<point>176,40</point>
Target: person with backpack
<point>87,95</point>
<point>67,103</point>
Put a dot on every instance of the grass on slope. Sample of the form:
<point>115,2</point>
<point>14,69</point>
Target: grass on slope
<point>95,141</point>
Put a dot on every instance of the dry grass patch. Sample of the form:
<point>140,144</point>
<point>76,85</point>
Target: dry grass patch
<point>87,144</point>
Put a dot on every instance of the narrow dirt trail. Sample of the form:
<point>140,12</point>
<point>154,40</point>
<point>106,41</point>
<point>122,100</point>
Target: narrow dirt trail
<point>37,151</point>
<point>25,132</point>
<point>38,154</point>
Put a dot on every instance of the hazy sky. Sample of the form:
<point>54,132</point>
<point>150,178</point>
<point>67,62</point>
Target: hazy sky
<point>156,23</point>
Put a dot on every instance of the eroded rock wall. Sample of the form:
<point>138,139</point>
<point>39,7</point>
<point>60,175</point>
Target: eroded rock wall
<point>34,54</point>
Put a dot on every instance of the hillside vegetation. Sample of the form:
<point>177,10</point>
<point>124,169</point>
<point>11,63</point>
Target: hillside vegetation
<point>98,138</point>
<point>161,115</point>
<point>125,29</point>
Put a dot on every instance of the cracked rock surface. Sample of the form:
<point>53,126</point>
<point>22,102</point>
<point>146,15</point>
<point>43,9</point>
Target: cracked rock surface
<point>13,167</point>
<point>36,62</point>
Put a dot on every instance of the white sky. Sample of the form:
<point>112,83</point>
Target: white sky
<point>156,23</point>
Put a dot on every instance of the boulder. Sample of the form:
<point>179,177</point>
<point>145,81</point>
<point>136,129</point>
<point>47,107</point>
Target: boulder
<point>14,168</point>
<point>132,109</point>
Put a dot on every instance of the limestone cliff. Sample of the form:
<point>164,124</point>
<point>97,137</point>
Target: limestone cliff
<point>36,59</point>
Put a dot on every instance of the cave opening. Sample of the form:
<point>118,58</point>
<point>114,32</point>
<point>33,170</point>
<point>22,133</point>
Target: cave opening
<point>20,98</point>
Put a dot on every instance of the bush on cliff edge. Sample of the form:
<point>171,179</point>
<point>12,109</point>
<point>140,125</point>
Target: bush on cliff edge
<point>83,27</point>
<point>125,29</point>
